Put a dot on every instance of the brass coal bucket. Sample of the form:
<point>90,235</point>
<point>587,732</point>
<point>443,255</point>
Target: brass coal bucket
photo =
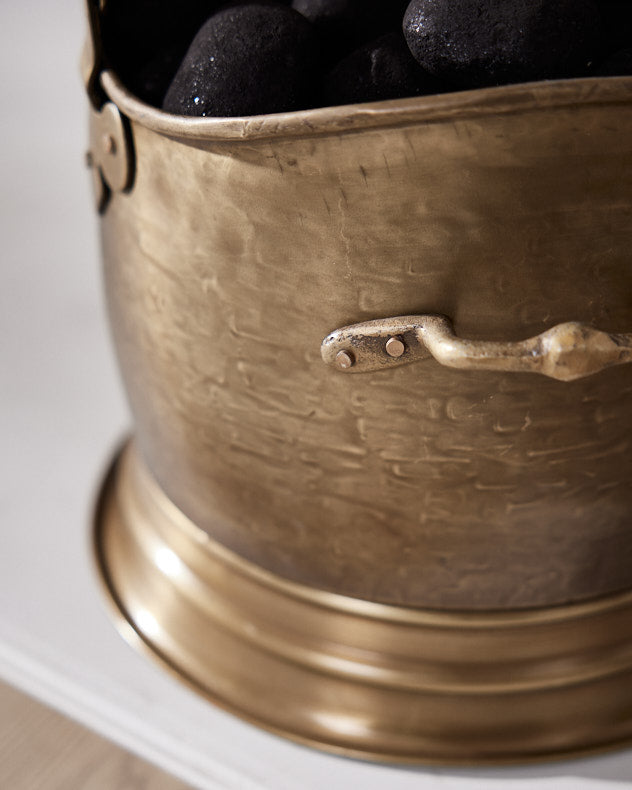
<point>379,493</point>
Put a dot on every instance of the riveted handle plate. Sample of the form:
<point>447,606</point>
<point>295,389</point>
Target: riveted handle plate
<point>110,154</point>
<point>565,352</point>
<point>362,348</point>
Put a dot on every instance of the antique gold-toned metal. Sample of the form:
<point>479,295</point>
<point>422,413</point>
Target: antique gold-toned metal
<point>110,155</point>
<point>357,677</point>
<point>344,360</point>
<point>427,564</point>
<point>395,347</point>
<point>506,210</point>
<point>109,144</point>
<point>566,352</point>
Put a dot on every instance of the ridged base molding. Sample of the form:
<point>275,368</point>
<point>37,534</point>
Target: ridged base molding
<point>355,677</point>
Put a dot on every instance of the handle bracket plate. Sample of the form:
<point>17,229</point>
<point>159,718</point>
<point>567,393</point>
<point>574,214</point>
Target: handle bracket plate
<point>565,352</point>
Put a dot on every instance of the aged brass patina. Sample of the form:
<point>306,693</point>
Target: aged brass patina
<point>566,352</point>
<point>358,677</point>
<point>506,210</point>
<point>110,156</point>
<point>423,563</point>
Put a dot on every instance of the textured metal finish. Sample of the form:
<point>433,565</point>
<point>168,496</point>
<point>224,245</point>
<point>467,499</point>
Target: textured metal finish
<point>368,680</point>
<point>244,241</point>
<point>344,360</point>
<point>110,155</point>
<point>395,347</point>
<point>565,352</point>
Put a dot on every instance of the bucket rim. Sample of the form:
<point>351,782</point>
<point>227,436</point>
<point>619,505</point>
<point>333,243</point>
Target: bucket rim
<point>462,105</point>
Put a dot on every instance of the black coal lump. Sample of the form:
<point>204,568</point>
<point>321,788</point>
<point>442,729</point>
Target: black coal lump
<point>617,16</point>
<point>382,69</point>
<point>345,24</point>
<point>232,3</point>
<point>144,41</point>
<point>150,80</point>
<point>617,65</point>
<point>473,43</point>
<point>246,60</point>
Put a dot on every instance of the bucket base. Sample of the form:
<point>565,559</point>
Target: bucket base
<point>352,676</point>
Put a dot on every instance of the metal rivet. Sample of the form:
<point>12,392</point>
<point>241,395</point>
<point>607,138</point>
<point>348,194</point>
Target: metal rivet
<point>345,360</point>
<point>395,347</point>
<point>109,144</point>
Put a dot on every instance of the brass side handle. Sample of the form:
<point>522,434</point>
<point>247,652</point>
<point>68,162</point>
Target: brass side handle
<point>111,153</point>
<point>565,352</point>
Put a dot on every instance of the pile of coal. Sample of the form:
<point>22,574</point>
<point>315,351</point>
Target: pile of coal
<point>344,25</point>
<point>239,58</point>
<point>146,40</point>
<point>246,60</point>
<point>616,65</point>
<point>617,18</point>
<point>474,43</point>
<point>382,69</point>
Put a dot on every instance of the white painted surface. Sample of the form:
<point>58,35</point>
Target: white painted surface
<point>61,414</point>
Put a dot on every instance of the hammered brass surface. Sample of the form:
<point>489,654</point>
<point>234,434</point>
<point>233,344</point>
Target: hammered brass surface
<point>364,679</point>
<point>507,210</point>
<point>565,352</point>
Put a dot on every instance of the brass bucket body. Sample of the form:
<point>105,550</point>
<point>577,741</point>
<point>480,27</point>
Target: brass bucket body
<point>421,563</point>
